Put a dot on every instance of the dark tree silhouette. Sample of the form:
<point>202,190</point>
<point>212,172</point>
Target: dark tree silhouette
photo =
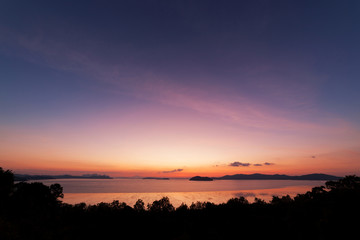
<point>56,191</point>
<point>36,196</point>
<point>162,205</point>
<point>281,200</point>
<point>237,201</point>
<point>6,184</point>
<point>351,182</point>
<point>182,208</point>
<point>201,205</point>
<point>139,206</point>
<point>259,201</point>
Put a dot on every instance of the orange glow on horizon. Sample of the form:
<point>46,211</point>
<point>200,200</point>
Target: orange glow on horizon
<point>149,143</point>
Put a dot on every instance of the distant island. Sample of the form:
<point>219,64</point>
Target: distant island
<point>26,177</point>
<point>198,178</point>
<point>156,178</point>
<point>258,176</point>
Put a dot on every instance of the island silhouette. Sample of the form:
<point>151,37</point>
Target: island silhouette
<point>27,177</point>
<point>198,178</point>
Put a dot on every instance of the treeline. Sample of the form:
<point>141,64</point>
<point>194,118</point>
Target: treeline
<point>35,211</point>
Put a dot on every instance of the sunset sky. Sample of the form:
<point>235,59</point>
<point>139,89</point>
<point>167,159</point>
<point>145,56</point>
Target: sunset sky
<point>180,88</point>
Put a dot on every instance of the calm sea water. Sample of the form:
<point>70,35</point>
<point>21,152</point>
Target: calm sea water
<point>92,191</point>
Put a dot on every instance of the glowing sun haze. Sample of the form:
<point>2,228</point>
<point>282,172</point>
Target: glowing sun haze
<point>177,88</point>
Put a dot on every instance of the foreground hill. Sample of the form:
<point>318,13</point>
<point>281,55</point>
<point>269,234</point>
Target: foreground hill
<point>35,211</point>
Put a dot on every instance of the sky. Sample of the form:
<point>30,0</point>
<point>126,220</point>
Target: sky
<point>180,88</point>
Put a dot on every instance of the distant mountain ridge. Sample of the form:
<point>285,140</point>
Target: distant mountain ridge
<point>258,176</point>
<point>155,178</point>
<point>26,177</point>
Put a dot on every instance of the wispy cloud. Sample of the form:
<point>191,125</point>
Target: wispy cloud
<point>268,164</point>
<point>131,79</point>
<point>173,171</point>
<point>239,164</point>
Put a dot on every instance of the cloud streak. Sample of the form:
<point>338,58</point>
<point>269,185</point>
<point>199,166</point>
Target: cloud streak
<point>240,164</point>
<point>152,86</point>
<point>269,164</point>
<point>173,171</point>
<point>142,83</point>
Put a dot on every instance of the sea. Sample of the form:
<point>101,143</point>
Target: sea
<point>94,191</point>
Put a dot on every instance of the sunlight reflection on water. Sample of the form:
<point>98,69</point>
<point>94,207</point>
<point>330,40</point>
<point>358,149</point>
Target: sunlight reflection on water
<point>176,198</point>
<point>93,191</point>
